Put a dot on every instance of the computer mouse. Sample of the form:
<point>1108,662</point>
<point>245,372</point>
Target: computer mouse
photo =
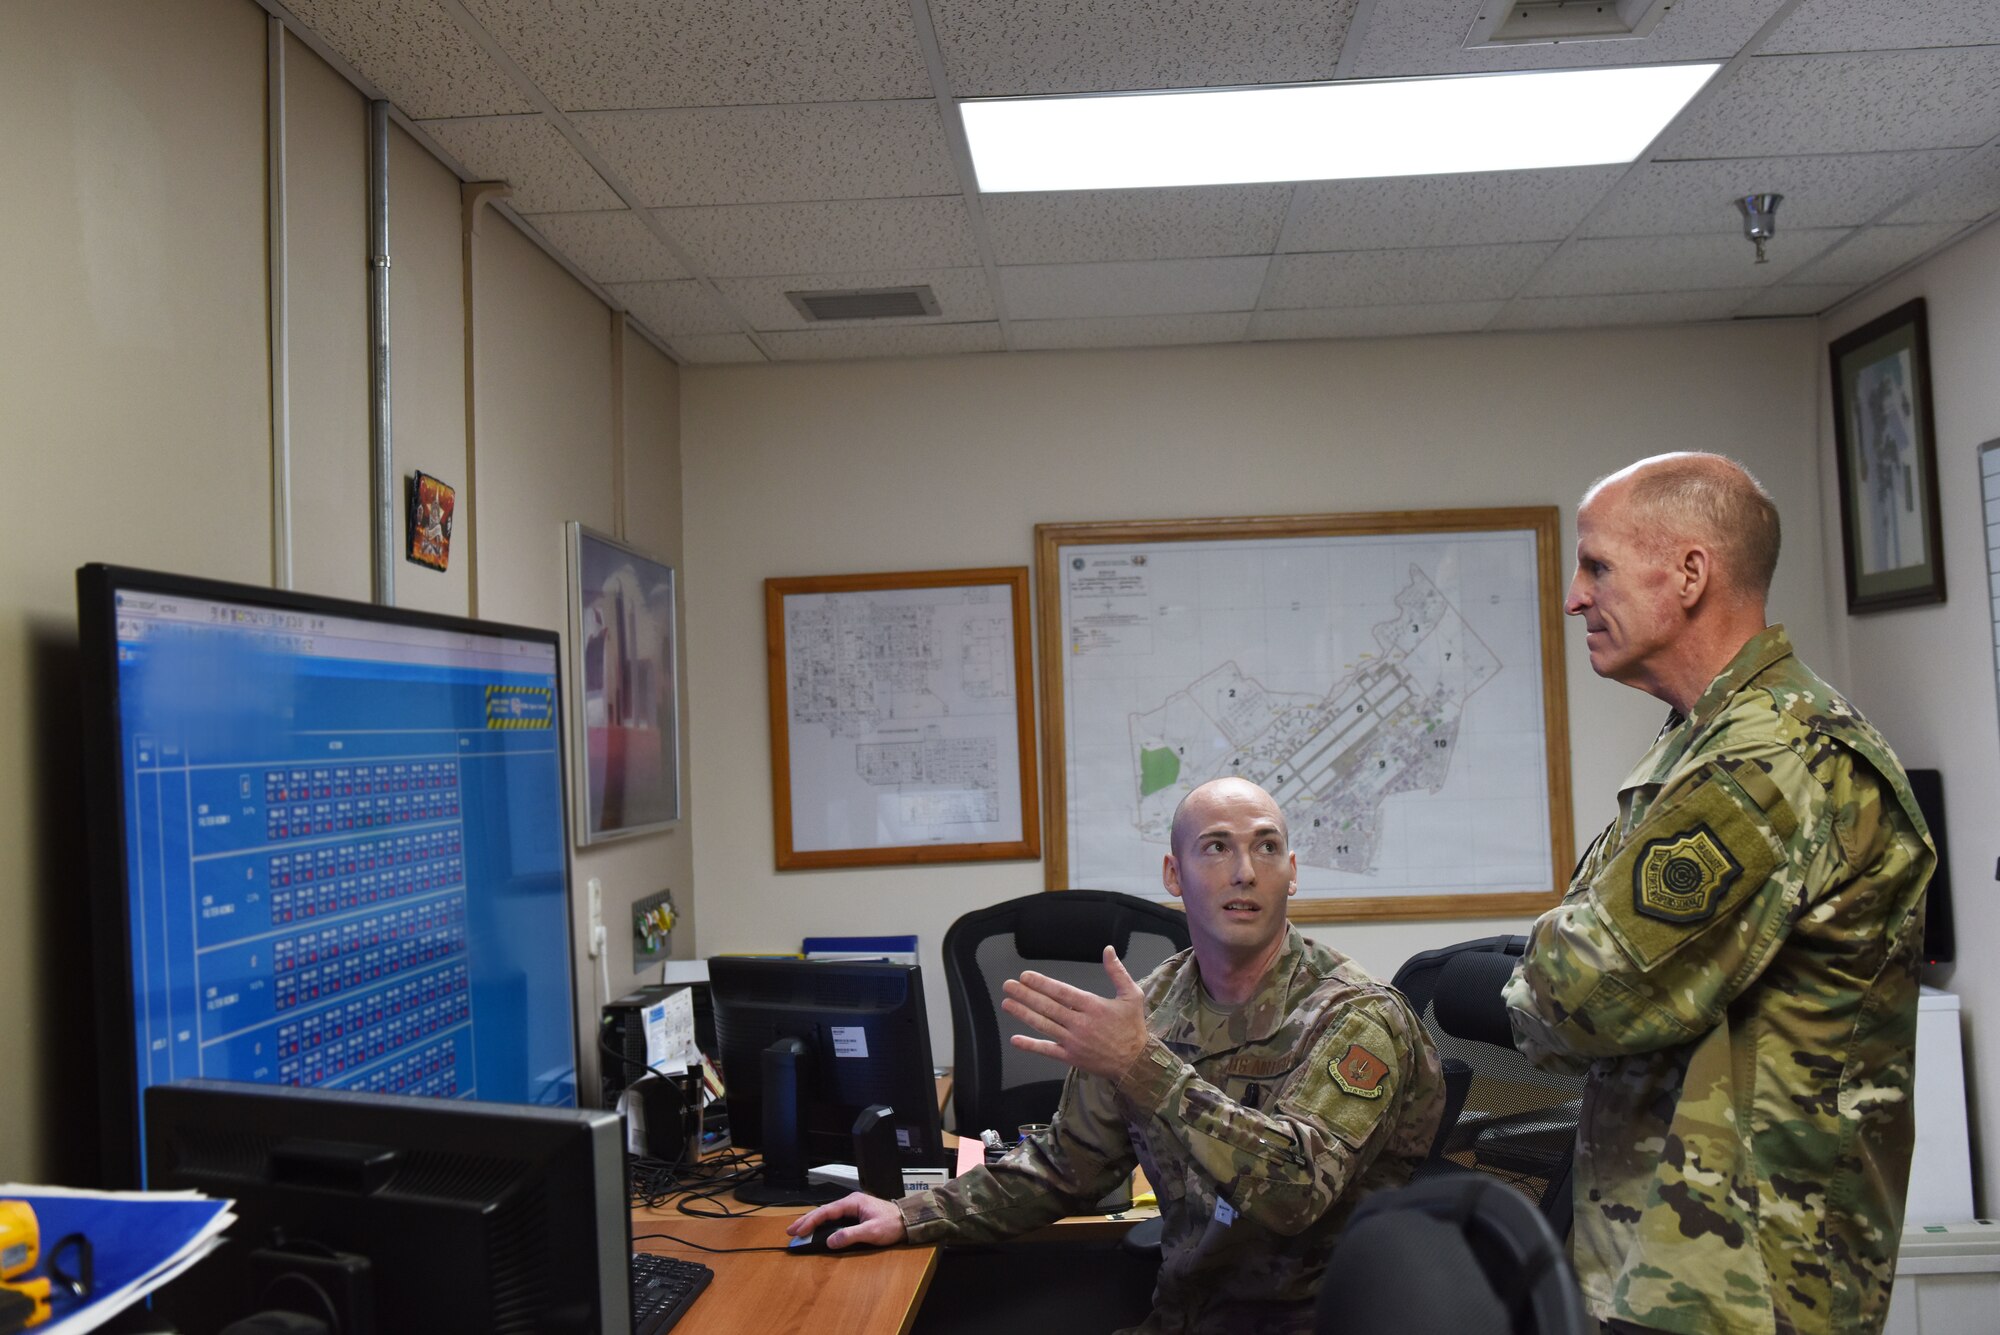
<point>816,1243</point>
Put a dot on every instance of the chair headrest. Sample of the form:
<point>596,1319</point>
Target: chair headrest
<point>1066,927</point>
<point>1467,1003</point>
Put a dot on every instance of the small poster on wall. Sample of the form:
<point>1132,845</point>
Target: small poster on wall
<point>430,503</point>
<point>625,673</point>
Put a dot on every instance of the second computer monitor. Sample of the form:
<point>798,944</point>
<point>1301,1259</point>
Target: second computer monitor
<point>837,1037</point>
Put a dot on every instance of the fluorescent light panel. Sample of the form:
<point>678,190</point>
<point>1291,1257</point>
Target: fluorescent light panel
<point>1326,131</point>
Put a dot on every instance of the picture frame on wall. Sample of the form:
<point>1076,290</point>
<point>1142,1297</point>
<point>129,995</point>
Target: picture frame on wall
<point>902,718</point>
<point>625,665</point>
<point>1394,680</point>
<point>1885,441</point>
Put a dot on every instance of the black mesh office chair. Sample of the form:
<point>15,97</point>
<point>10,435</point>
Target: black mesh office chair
<point>1513,1122</point>
<point>1061,934</point>
<point>1457,1254</point>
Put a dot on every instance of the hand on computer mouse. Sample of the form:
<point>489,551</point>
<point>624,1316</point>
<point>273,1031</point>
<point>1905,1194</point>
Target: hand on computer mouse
<point>859,1219</point>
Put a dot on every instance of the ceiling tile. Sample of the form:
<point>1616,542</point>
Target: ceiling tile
<point>1871,25</point>
<point>1675,263</point>
<point>1403,37</point>
<point>1142,287</point>
<point>1000,48</point>
<point>757,155</point>
<point>1403,277</point>
<point>1874,251</point>
<point>1642,308</point>
<point>595,55</point>
<point>1471,208</point>
<point>905,341</point>
<point>673,309</point>
<point>413,51</point>
<point>1130,331</point>
<point>1838,190</point>
<point>613,246</point>
<point>714,349</point>
<point>1970,190</point>
<point>1844,104</point>
<point>528,153</point>
<point>962,296</point>
<point>1437,317</point>
<point>834,237</point>
<point>1083,225</point>
<point>1796,299</point>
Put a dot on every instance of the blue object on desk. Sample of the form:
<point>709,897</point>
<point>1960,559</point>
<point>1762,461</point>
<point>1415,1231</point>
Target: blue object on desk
<point>901,949</point>
<point>132,1237</point>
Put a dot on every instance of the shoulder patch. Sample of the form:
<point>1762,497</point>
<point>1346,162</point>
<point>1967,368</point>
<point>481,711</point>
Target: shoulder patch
<point>1354,1063</point>
<point>1359,1072</point>
<point>1680,878</point>
<point>1690,862</point>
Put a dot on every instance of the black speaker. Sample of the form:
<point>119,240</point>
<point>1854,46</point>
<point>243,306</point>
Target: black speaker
<point>1940,937</point>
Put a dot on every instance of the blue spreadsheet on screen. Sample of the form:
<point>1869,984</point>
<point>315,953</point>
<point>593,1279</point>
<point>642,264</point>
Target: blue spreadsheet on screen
<point>343,850</point>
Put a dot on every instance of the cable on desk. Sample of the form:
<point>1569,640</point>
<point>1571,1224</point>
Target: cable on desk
<point>640,1237</point>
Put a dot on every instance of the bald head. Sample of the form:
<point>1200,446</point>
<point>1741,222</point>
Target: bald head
<point>1704,498</point>
<point>1194,809</point>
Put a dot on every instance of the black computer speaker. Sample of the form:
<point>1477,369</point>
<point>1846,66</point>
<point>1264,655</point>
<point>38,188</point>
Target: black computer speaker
<point>1940,938</point>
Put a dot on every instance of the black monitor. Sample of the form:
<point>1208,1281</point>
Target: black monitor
<point>807,1045</point>
<point>329,847</point>
<point>441,1216</point>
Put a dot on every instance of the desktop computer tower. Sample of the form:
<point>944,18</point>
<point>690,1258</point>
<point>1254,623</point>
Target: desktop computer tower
<point>622,1029</point>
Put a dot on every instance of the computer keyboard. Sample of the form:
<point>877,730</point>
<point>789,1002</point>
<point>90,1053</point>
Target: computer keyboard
<point>663,1287</point>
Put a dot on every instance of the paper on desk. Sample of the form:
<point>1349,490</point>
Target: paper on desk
<point>139,1240</point>
<point>669,1024</point>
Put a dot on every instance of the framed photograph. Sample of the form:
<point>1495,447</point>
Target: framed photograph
<point>626,674</point>
<point>1394,680</point>
<point>430,507</point>
<point>1886,442</point>
<point>902,719</point>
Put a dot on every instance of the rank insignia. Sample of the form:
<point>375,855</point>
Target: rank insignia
<point>1359,1072</point>
<point>1682,878</point>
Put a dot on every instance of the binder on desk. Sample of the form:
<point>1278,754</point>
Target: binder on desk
<point>895,949</point>
<point>139,1240</point>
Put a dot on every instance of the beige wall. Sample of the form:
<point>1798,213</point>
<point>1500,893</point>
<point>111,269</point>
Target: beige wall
<point>913,465</point>
<point>135,427</point>
<point>1925,675</point>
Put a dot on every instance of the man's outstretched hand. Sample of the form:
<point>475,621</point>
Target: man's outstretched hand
<point>1101,1035</point>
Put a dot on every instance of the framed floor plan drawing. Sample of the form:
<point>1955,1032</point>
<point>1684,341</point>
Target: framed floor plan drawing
<point>1395,680</point>
<point>902,718</point>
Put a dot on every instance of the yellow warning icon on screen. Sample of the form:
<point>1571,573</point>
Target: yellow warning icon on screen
<point>522,707</point>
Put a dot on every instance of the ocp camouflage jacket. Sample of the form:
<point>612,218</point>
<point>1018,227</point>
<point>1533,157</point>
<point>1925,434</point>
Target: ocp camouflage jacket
<point>1259,1140</point>
<point>1736,959</point>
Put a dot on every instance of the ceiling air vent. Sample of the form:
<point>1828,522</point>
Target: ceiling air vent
<point>865,303</point>
<point>1526,22</point>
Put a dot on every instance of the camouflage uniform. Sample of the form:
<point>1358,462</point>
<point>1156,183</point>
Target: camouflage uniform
<point>1736,961</point>
<point>1260,1129</point>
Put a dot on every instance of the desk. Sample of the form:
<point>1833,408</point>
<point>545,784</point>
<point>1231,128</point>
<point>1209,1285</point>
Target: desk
<point>857,1293</point>
<point>861,1292</point>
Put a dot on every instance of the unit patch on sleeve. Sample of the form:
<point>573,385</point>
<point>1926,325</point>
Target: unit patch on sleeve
<point>1683,877</point>
<point>1358,1071</point>
<point>1350,1080</point>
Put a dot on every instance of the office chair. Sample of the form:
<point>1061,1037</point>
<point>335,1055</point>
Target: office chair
<point>1061,934</point>
<point>1513,1121</point>
<point>1467,1255</point>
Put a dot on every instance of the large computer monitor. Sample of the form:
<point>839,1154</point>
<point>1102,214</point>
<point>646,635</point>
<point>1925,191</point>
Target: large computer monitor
<point>329,847</point>
<point>807,1045</point>
<point>469,1217</point>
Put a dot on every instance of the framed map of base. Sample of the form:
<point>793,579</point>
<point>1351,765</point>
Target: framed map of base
<point>902,718</point>
<point>1394,680</point>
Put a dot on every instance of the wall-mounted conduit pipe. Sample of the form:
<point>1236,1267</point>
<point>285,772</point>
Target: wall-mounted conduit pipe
<point>381,455</point>
<point>280,314</point>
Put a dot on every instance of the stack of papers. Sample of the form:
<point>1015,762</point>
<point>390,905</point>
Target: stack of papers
<point>139,1240</point>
